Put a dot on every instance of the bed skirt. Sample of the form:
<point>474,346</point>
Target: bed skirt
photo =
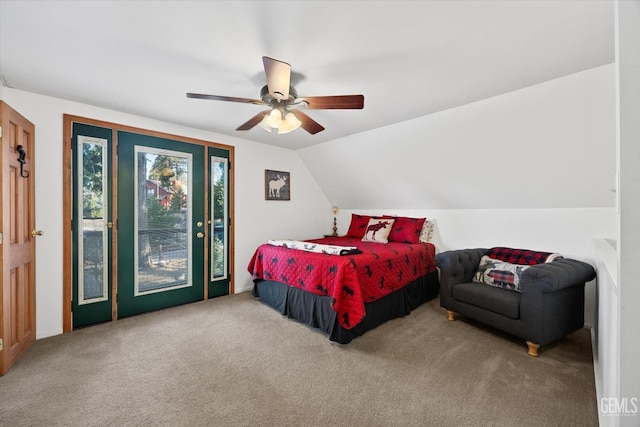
<point>316,311</point>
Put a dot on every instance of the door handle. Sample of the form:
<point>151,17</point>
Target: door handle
<point>200,235</point>
<point>35,233</point>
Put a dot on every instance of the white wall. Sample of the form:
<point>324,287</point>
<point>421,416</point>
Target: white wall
<point>628,155</point>
<point>256,220</point>
<point>551,145</point>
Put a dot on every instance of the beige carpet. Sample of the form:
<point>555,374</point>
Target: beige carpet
<point>232,361</point>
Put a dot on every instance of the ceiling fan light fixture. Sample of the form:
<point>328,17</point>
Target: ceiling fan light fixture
<point>264,126</point>
<point>289,124</point>
<point>273,120</point>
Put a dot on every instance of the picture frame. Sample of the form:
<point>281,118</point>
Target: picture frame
<point>277,185</point>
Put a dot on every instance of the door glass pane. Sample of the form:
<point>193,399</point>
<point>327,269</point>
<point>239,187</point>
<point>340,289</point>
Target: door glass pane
<point>92,228</point>
<point>163,221</point>
<point>219,223</point>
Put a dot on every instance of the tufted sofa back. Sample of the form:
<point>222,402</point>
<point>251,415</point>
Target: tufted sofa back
<point>461,269</point>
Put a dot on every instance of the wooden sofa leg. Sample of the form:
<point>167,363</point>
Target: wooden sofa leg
<point>450,315</point>
<point>533,349</point>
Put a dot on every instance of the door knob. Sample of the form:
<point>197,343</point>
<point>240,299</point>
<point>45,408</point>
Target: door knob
<point>200,235</point>
<point>35,233</point>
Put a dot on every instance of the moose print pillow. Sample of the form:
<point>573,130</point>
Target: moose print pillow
<point>378,230</point>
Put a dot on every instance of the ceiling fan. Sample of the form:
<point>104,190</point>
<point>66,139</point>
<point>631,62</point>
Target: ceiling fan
<point>285,115</point>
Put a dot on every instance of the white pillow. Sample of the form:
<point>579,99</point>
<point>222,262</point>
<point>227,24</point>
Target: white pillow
<point>378,230</point>
<point>427,232</point>
<point>498,273</point>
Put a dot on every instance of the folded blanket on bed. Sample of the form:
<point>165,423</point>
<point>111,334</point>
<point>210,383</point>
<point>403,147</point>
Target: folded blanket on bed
<point>316,247</point>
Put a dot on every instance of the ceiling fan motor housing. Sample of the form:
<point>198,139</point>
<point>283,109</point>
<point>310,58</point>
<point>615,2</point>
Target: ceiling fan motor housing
<point>270,99</point>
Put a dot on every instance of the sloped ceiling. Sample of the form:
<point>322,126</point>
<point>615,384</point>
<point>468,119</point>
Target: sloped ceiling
<point>408,58</point>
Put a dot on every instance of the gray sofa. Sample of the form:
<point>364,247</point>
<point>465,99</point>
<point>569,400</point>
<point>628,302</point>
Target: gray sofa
<point>550,306</point>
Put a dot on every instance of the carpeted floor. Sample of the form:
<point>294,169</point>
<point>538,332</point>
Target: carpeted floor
<point>232,361</point>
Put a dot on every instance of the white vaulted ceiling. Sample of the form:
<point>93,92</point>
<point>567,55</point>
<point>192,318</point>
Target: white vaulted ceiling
<point>409,58</point>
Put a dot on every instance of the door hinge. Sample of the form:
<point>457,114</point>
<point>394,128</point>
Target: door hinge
<point>0,131</point>
<point>0,344</point>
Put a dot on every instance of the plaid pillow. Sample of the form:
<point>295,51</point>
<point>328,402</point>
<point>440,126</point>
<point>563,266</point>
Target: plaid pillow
<point>498,273</point>
<point>521,256</point>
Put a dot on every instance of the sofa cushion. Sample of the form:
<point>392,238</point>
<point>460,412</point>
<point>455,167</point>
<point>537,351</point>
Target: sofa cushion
<point>499,273</point>
<point>497,300</point>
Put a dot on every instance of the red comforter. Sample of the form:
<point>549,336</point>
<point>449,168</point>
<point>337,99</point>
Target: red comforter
<point>351,280</point>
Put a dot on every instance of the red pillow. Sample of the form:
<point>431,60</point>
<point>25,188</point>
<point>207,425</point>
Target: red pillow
<point>358,226</point>
<point>406,230</point>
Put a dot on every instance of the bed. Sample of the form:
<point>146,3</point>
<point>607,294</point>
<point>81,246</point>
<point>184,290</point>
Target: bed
<point>346,295</point>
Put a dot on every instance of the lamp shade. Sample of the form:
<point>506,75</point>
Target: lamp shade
<point>273,120</point>
<point>289,124</point>
<point>281,119</point>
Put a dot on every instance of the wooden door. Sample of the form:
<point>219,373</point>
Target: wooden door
<point>17,299</point>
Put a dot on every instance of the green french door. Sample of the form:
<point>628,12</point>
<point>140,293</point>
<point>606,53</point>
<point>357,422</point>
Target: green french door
<point>151,224</point>
<point>161,223</point>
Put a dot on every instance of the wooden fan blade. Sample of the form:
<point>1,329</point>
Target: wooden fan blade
<point>308,123</point>
<point>338,102</point>
<point>225,98</point>
<point>252,121</point>
<point>278,77</point>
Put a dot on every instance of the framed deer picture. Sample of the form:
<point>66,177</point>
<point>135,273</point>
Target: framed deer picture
<point>277,185</point>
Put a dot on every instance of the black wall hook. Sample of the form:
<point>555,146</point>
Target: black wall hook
<point>22,160</point>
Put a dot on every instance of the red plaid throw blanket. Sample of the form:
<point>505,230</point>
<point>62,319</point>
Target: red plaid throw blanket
<point>522,256</point>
